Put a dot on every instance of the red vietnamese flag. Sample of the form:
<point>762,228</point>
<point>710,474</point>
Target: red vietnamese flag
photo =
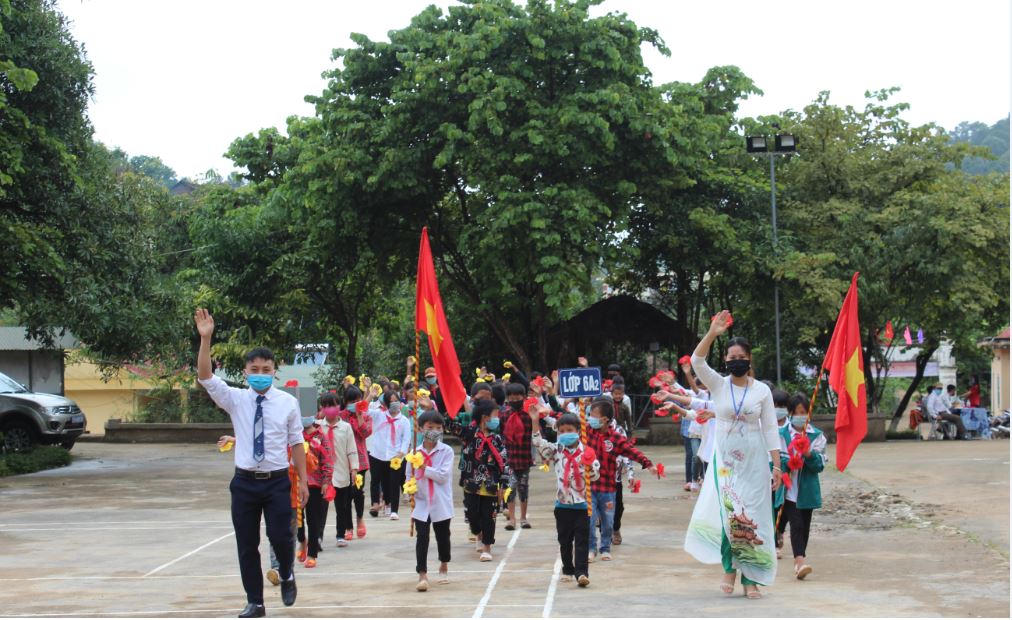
<point>430,318</point>
<point>845,363</point>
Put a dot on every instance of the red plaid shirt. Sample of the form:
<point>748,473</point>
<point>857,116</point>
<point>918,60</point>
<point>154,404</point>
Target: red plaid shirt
<point>519,453</point>
<point>608,444</point>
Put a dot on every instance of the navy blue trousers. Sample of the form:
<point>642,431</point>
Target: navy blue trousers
<point>272,499</point>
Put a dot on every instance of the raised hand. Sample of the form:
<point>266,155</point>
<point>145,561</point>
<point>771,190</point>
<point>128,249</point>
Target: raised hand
<point>204,321</point>
<point>721,322</point>
<point>581,361</point>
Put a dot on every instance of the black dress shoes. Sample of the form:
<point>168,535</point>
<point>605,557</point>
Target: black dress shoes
<point>288,592</point>
<point>253,611</point>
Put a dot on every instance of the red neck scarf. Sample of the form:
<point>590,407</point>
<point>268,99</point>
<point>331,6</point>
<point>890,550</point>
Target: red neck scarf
<point>487,441</point>
<point>571,468</point>
<point>427,462</point>
<point>391,422</point>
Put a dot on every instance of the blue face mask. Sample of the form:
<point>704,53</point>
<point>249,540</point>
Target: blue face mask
<point>260,382</point>
<point>430,380</point>
<point>492,424</point>
<point>568,439</point>
<point>307,422</point>
<point>595,423</point>
<point>799,421</point>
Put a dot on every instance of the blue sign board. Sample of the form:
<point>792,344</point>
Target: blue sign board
<point>579,382</point>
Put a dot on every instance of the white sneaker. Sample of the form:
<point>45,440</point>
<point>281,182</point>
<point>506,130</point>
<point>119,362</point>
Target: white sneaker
<point>694,486</point>
<point>606,556</point>
<point>342,542</point>
<point>485,557</point>
<point>393,516</point>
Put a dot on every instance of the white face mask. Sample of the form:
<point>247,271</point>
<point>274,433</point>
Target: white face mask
<point>781,412</point>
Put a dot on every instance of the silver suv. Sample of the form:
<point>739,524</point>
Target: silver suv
<point>28,418</point>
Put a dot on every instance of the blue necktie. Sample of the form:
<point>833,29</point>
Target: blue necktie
<point>258,430</point>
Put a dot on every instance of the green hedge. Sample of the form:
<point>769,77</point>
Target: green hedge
<point>36,459</point>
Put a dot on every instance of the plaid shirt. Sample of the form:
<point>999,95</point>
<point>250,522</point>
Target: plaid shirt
<point>608,445</point>
<point>520,453</point>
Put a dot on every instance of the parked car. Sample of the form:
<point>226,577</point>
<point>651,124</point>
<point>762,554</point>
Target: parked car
<point>28,418</point>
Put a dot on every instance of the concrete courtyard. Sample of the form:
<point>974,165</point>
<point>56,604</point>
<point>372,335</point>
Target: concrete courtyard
<point>911,529</point>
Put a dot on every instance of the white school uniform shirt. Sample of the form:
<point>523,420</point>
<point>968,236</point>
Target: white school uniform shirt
<point>282,423</point>
<point>382,448</point>
<point>438,506</point>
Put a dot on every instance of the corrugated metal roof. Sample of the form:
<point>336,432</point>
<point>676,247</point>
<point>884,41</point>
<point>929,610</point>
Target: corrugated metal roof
<point>16,339</point>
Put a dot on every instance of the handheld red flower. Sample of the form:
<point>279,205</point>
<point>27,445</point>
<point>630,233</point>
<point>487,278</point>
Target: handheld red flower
<point>330,494</point>
<point>730,319</point>
<point>801,444</point>
<point>530,402</point>
<point>786,480</point>
<point>362,406</point>
<point>539,381</point>
<point>636,485</point>
<point>685,359</point>
<point>661,412</point>
<point>660,471</point>
<point>589,456</point>
<point>795,462</point>
<point>656,398</point>
<point>606,385</point>
<point>654,382</point>
<point>292,383</point>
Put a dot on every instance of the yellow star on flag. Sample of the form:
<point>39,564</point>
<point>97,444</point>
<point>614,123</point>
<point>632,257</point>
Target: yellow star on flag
<point>854,377</point>
<point>432,327</point>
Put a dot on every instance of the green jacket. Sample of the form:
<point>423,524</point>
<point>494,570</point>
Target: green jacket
<point>809,489</point>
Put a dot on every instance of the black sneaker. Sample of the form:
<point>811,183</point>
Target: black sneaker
<point>288,592</point>
<point>253,610</point>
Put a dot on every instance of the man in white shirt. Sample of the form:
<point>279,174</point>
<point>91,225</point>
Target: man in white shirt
<point>938,407</point>
<point>267,423</point>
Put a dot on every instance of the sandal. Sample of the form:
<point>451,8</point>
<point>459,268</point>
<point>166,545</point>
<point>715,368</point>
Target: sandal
<point>525,524</point>
<point>444,578</point>
<point>727,587</point>
<point>422,586</point>
<point>310,562</point>
<point>802,571</point>
<point>510,525</point>
<point>754,594</point>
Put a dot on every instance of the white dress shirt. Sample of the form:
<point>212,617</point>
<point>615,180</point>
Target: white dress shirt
<point>281,416</point>
<point>438,506</point>
<point>382,447</point>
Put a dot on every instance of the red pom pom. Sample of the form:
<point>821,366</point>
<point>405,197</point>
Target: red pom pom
<point>539,381</point>
<point>606,385</point>
<point>662,412</point>
<point>801,444</point>
<point>362,406</point>
<point>795,462</point>
<point>685,359</point>
<point>330,494</point>
<point>636,485</point>
<point>654,382</point>
<point>656,398</point>
<point>530,402</point>
<point>660,471</point>
<point>786,481</point>
<point>730,319</point>
<point>589,456</point>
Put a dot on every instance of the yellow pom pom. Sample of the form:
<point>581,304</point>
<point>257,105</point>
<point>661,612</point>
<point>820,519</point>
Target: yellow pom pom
<point>411,486</point>
<point>349,379</point>
<point>416,459</point>
<point>506,495</point>
<point>395,463</point>
<point>506,377</point>
<point>477,372</point>
<point>507,364</point>
<point>424,393</point>
<point>359,481</point>
<point>544,467</point>
<point>225,447</point>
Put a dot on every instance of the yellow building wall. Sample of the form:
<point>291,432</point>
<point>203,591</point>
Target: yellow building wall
<point>1000,381</point>
<point>101,400</point>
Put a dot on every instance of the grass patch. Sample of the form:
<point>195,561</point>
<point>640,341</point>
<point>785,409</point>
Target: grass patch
<point>37,459</point>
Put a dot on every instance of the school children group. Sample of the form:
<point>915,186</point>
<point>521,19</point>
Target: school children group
<point>509,426</point>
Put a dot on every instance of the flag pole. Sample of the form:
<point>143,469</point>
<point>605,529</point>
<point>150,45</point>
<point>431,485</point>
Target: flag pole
<point>414,420</point>
<point>586,470</point>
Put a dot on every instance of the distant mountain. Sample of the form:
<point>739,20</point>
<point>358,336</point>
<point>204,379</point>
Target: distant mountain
<point>995,137</point>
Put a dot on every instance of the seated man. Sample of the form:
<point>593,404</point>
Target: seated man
<point>938,408</point>
<point>955,402</point>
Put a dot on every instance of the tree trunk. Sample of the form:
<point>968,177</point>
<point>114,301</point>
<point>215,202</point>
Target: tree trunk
<point>921,363</point>
<point>870,350</point>
<point>350,361</point>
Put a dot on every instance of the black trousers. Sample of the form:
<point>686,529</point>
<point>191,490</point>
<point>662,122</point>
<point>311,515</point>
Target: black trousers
<point>314,519</point>
<point>342,509</point>
<point>442,529</point>
<point>619,508</point>
<point>481,512</point>
<point>358,499</point>
<point>801,525</point>
<point>251,499</point>
<point>573,527</point>
<point>392,489</point>
<point>377,474</point>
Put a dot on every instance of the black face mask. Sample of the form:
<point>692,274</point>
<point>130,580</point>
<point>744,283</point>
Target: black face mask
<point>738,368</point>
<point>517,405</point>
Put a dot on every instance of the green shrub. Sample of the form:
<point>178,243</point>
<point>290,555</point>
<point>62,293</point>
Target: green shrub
<point>36,459</point>
<point>908,434</point>
<point>200,408</point>
<point>159,405</point>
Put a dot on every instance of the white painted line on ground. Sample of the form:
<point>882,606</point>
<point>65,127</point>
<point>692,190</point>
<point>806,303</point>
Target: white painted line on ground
<point>550,597</point>
<point>301,574</point>
<point>162,612</point>
<point>188,554</point>
<point>118,529</point>
<point>35,523</point>
<point>495,576</point>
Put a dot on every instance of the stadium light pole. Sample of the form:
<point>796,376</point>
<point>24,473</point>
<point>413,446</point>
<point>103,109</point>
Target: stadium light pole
<point>784,144</point>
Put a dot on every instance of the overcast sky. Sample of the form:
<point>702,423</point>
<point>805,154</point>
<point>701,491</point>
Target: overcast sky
<point>182,79</point>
